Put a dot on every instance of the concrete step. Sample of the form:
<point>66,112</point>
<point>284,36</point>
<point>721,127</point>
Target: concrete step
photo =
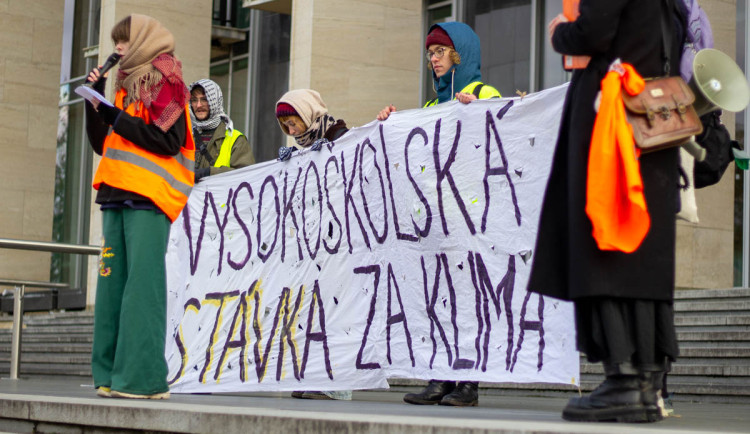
<point>83,359</point>
<point>712,306</point>
<point>711,294</point>
<point>63,321</point>
<point>48,338</point>
<point>715,329</point>
<point>48,369</point>
<point>693,385</point>
<point>50,403</point>
<point>58,315</point>
<point>60,330</point>
<point>711,335</point>
<point>55,347</point>
<point>733,300</point>
<point>688,319</point>
<point>715,352</point>
<point>690,368</point>
<point>709,385</point>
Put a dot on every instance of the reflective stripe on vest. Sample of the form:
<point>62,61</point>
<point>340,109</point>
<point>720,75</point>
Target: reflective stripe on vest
<point>165,180</point>
<point>129,157</point>
<point>225,153</point>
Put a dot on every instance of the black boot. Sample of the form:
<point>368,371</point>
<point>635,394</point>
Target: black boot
<point>620,398</point>
<point>432,394</point>
<point>465,395</point>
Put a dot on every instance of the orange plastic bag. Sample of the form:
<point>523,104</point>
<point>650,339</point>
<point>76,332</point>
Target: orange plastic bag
<point>614,192</point>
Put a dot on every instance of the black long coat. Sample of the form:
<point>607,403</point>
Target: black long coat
<point>567,262</point>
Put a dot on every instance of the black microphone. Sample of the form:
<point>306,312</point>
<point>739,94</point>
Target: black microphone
<point>108,64</point>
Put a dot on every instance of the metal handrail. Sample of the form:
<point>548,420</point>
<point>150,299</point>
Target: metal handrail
<point>20,287</point>
<point>43,246</point>
<point>34,283</point>
<point>18,293</point>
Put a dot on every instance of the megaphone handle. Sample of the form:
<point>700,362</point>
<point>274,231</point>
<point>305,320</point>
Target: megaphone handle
<point>693,148</point>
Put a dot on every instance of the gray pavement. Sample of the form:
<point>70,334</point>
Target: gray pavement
<point>70,405</point>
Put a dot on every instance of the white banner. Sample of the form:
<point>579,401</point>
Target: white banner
<point>402,250</point>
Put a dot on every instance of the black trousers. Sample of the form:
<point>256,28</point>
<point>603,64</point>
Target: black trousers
<point>629,336</point>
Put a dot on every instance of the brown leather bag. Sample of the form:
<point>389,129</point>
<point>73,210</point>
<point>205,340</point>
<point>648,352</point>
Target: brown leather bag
<point>662,115</point>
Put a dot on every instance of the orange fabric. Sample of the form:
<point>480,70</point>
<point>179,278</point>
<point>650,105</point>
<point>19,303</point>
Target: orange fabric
<point>614,192</point>
<point>166,180</point>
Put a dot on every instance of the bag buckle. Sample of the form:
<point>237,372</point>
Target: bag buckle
<point>681,108</point>
<point>665,112</point>
<point>650,116</point>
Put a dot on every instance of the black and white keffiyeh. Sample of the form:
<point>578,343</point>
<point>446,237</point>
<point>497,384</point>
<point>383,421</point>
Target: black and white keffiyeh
<point>216,107</point>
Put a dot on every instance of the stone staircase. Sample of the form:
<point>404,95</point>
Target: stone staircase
<point>713,327</point>
<point>53,344</point>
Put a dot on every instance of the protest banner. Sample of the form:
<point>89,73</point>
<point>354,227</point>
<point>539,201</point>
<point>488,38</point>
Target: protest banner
<point>403,249</point>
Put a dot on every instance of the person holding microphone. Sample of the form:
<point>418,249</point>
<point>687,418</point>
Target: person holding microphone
<point>143,181</point>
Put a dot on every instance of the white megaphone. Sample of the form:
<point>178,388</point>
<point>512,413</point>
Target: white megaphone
<point>718,84</point>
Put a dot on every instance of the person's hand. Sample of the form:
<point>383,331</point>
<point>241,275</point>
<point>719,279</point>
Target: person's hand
<point>92,78</point>
<point>285,153</point>
<point>465,97</point>
<point>560,18</point>
<point>94,74</point>
<point>318,144</point>
<point>202,173</point>
<point>383,115</point>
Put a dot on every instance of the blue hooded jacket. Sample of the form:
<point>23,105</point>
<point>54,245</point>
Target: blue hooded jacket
<point>466,43</point>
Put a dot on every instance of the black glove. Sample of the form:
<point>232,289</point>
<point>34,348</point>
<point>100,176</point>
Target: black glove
<point>99,86</point>
<point>202,173</point>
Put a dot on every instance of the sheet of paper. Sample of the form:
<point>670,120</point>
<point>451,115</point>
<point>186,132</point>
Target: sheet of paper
<point>90,95</point>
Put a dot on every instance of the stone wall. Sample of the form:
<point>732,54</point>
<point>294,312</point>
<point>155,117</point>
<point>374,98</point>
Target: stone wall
<point>30,34</point>
<point>361,55</point>
<point>705,251</point>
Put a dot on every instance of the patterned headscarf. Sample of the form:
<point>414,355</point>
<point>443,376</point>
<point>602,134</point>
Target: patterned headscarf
<point>147,67</point>
<point>215,107</point>
<point>312,110</point>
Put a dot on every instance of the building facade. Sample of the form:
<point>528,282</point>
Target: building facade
<point>359,54</point>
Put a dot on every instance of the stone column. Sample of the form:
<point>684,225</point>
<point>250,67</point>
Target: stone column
<point>190,22</point>
<point>705,251</point>
<point>361,55</point>
<point>29,92</point>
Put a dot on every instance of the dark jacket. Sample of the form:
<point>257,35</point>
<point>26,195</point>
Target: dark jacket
<point>146,136</point>
<point>336,130</point>
<point>567,262</point>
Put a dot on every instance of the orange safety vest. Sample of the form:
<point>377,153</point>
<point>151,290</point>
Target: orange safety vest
<point>166,180</point>
<point>614,192</point>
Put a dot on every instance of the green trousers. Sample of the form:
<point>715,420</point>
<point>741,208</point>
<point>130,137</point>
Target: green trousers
<point>131,295</point>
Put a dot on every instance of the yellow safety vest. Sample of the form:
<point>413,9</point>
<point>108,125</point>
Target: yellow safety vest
<point>225,153</point>
<point>485,92</point>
